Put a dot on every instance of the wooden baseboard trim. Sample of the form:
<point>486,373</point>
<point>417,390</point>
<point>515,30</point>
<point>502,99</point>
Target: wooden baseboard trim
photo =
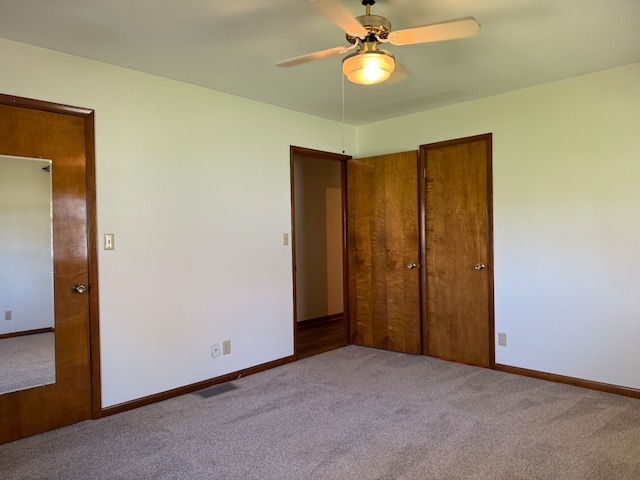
<point>26,332</point>
<point>576,382</point>
<point>317,320</point>
<point>194,387</point>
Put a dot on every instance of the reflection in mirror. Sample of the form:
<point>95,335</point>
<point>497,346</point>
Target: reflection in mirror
<point>27,350</point>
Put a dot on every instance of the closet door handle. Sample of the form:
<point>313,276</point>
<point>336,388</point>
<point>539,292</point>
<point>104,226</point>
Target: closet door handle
<point>479,266</point>
<point>411,266</point>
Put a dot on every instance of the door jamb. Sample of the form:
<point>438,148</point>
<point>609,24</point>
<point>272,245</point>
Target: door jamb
<point>321,155</point>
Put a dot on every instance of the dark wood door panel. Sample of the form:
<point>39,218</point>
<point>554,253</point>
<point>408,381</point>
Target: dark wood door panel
<point>459,260</point>
<point>33,132</point>
<point>382,226</point>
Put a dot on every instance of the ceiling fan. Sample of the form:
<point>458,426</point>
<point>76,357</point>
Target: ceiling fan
<point>370,64</point>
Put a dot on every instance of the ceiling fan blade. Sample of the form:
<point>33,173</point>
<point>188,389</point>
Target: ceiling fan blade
<point>290,62</point>
<point>437,32</point>
<point>341,16</point>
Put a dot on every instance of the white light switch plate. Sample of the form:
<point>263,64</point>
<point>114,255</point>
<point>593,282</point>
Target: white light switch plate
<point>109,241</point>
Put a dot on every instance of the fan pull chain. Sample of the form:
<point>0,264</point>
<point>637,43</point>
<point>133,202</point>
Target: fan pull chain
<point>342,76</point>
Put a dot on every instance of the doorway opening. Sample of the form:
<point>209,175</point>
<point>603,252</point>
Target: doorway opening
<point>318,210</point>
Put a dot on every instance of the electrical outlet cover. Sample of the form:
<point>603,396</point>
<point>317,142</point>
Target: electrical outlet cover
<point>215,350</point>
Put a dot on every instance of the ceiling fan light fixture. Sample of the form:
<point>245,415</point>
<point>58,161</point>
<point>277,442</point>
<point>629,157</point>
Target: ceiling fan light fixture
<point>368,67</point>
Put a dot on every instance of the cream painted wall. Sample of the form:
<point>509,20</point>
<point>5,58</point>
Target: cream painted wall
<point>195,185</point>
<point>566,167</point>
<point>335,268</point>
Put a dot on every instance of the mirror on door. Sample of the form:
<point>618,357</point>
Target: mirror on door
<point>27,345</point>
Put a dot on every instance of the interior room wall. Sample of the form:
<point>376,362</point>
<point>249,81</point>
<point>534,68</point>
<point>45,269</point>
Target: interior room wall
<point>26,278</point>
<point>195,185</point>
<point>566,217</point>
<point>318,230</point>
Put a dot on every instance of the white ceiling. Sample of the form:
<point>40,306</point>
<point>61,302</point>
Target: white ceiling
<point>232,46</point>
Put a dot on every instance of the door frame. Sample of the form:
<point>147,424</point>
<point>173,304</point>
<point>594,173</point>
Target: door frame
<point>488,137</point>
<point>320,155</point>
<point>92,237</point>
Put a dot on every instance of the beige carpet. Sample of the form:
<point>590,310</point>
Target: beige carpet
<point>353,413</point>
<point>27,361</point>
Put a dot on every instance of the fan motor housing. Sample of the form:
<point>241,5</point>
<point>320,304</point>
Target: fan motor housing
<point>375,24</point>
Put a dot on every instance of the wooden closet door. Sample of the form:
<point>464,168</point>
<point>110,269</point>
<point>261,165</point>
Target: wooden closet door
<point>459,250</point>
<point>383,252</point>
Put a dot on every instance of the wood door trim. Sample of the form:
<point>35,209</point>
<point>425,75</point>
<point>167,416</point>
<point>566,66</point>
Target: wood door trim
<point>24,333</point>
<point>309,152</point>
<point>422,245</point>
<point>338,157</point>
<point>92,244</point>
<point>92,236</point>
<point>44,106</point>
<point>488,139</point>
<point>311,322</point>
<point>576,382</point>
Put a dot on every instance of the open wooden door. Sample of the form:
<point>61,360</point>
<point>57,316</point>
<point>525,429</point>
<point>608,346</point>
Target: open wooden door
<point>459,250</point>
<point>31,129</point>
<point>383,252</point>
